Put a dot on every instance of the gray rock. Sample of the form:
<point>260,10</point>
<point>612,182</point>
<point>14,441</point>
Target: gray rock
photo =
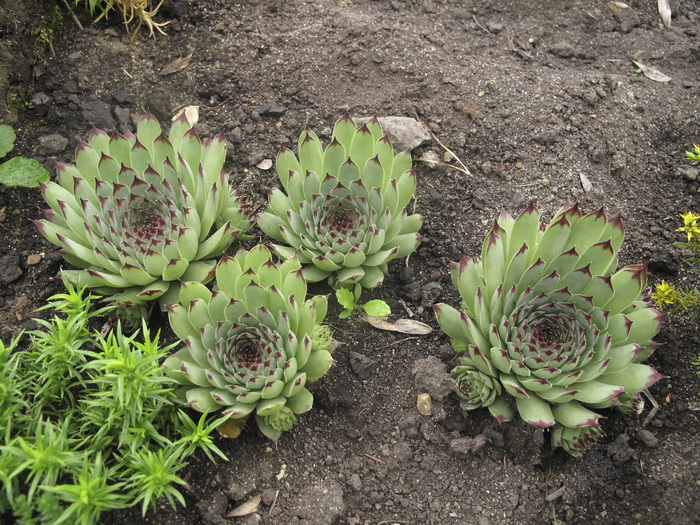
<point>495,27</point>
<point>430,375</point>
<point>40,99</point>
<point>9,268</point>
<point>405,133</point>
<point>321,503</point>
<point>688,172</point>
<point>98,114</point>
<point>647,438</point>
<point>121,97</point>
<point>123,115</point>
<point>464,447</point>
<point>52,144</point>
<point>361,365</point>
<point>236,135</point>
<point>549,136</point>
<point>271,110</point>
<point>563,50</point>
<point>355,482</point>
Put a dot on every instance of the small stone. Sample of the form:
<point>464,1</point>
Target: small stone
<point>9,268</point>
<point>495,27</point>
<point>121,97</point>
<point>430,159</point>
<point>264,164</point>
<point>405,133</point>
<point>98,114</point>
<point>40,99</point>
<point>271,110</point>
<point>549,136</point>
<point>52,144</point>
<point>236,136</point>
<point>267,497</point>
<point>563,50</point>
<point>647,438</point>
<point>424,404</point>
<point>688,172</point>
<point>362,365</point>
<point>354,482</point>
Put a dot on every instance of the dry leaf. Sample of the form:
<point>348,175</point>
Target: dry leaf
<point>404,326</point>
<point>652,72</point>
<point>191,113</point>
<point>34,258</point>
<point>176,65</point>
<point>585,183</point>
<point>231,428</point>
<point>665,12</point>
<point>615,8</point>
<point>246,508</point>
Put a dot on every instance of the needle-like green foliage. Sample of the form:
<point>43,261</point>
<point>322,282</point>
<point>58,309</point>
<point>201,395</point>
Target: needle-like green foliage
<point>89,423</point>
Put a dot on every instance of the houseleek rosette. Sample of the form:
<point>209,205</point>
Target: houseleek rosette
<point>343,214</point>
<point>140,212</point>
<point>253,343</point>
<point>549,325</point>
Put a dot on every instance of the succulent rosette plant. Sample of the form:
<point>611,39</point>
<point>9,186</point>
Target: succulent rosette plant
<point>343,214</point>
<point>253,343</point>
<point>138,213</point>
<point>548,324</point>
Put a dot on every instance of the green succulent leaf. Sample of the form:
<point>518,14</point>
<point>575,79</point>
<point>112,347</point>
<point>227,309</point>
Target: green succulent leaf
<point>550,325</point>
<point>253,343</point>
<point>342,211</point>
<point>144,211</point>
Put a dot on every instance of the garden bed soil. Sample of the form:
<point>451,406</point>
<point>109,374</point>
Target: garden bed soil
<point>542,103</point>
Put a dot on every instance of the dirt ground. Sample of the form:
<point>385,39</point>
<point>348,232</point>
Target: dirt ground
<point>542,103</point>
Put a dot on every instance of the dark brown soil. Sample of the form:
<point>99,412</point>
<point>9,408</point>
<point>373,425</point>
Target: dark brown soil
<point>532,96</point>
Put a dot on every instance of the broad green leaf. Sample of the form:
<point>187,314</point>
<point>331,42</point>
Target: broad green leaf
<point>377,308</point>
<point>7,139</point>
<point>24,172</point>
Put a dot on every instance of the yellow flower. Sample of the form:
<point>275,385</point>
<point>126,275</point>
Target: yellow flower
<point>690,225</point>
<point>664,294</point>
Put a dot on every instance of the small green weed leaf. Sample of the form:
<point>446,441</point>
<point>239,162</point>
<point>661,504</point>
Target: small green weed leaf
<point>344,314</point>
<point>7,139</point>
<point>346,299</point>
<point>21,171</point>
<point>377,308</point>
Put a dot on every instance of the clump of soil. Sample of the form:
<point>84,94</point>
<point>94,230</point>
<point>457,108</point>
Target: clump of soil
<point>542,103</point>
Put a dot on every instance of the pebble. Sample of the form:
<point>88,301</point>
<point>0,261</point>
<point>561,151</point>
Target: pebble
<point>647,438</point>
<point>563,50</point>
<point>688,172</point>
<point>405,133</point>
<point>271,110</point>
<point>40,99</point>
<point>98,113</point>
<point>9,268</point>
<point>52,144</point>
<point>362,365</point>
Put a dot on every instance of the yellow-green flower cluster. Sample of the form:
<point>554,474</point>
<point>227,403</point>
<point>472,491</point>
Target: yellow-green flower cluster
<point>690,226</point>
